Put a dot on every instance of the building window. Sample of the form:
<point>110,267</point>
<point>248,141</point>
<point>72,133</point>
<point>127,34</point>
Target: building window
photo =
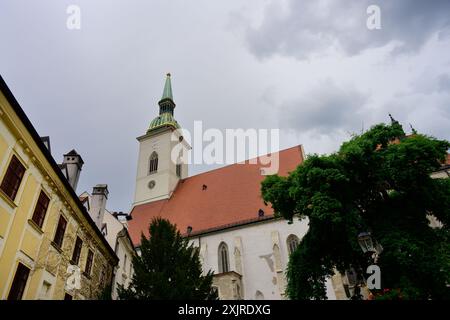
<point>102,277</point>
<point>68,297</point>
<point>292,243</point>
<point>223,258</point>
<point>19,283</point>
<point>77,251</point>
<point>41,209</point>
<point>178,170</point>
<point>60,230</point>
<point>13,177</point>
<point>153,163</point>
<point>90,258</point>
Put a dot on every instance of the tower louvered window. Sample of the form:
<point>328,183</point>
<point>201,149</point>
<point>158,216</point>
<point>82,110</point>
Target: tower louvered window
<point>153,163</point>
<point>178,169</point>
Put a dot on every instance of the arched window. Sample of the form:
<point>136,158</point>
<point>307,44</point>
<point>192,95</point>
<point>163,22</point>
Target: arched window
<point>292,243</point>
<point>224,265</point>
<point>153,163</point>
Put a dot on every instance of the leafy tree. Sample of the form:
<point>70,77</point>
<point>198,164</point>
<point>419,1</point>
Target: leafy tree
<point>378,182</point>
<point>168,268</point>
<point>105,293</point>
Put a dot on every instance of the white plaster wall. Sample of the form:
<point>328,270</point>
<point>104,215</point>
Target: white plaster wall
<point>123,272</point>
<point>165,178</point>
<point>257,253</point>
<point>113,226</point>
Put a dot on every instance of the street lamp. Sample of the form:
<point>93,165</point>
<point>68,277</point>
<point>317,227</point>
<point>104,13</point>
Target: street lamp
<point>369,247</point>
<point>366,243</point>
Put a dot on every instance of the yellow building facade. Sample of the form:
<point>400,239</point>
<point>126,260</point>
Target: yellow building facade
<point>49,246</point>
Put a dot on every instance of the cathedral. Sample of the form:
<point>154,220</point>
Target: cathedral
<point>221,211</point>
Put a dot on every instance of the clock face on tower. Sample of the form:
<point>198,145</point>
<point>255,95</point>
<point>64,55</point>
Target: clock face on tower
<point>151,184</point>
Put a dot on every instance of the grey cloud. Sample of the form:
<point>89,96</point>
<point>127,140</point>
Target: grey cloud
<point>309,28</point>
<point>326,109</point>
<point>430,82</point>
<point>427,113</point>
<point>444,82</point>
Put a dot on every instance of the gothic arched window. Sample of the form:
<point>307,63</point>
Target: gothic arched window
<point>224,265</point>
<point>153,163</point>
<point>292,243</point>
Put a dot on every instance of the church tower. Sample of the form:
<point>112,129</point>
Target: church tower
<point>160,162</point>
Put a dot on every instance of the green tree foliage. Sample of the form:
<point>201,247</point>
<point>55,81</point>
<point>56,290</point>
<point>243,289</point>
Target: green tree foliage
<point>379,182</point>
<point>105,293</point>
<point>168,268</point>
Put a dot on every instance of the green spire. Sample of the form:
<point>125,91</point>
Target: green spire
<point>166,106</point>
<point>167,93</point>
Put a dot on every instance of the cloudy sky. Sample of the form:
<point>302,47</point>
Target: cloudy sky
<point>311,68</point>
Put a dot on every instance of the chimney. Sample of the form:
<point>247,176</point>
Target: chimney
<point>98,203</point>
<point>46,141</point>
<point>72,165</point>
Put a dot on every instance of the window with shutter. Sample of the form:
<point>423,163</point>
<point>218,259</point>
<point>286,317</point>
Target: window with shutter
<point>41,209</point>
<point>90,258</point>
<point>60,230</point>
<point>77,251</point>
<point>13,176</point>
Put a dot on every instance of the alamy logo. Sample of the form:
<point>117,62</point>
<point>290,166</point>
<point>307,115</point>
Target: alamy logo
<point>73,21</point>
<point>374,18</point>
<point>374,280</point>
<point>213,146</point>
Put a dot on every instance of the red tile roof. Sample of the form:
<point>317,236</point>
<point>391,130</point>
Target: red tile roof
<point>232,196</point>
